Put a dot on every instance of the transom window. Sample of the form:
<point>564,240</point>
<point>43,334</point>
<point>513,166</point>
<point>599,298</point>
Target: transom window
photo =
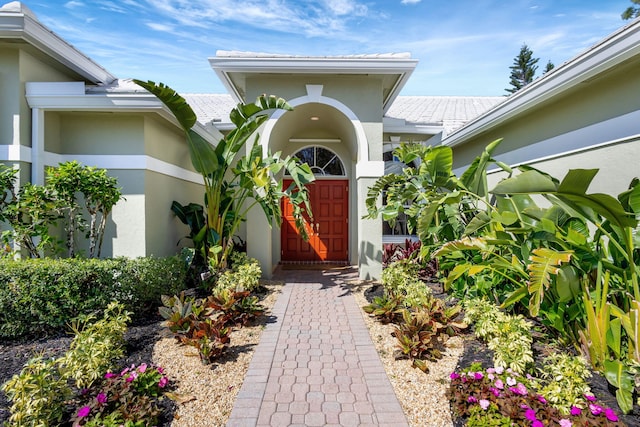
<point>323,162</point>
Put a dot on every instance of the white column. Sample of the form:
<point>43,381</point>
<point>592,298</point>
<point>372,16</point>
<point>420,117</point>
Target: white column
<point>37,146</point>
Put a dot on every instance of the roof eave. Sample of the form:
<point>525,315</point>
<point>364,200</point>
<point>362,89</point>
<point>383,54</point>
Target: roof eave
<point>225,66</point>
<point>610,52</point>
<point>24,26</point>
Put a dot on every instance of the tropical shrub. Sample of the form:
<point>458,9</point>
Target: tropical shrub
<point>43,295</point>
<point>243,276</point>
<point>498,396</point>
<point>128,398</point>
<point>401,279</point>
<point>508,336</point>
<point>563,381</point>
<point>235,185</point>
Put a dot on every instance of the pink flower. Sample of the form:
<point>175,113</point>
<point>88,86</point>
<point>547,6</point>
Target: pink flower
<point>84,411</point>
<point>495,391</point>
<point>478,375</point>
<point>530,414</point>
<point>453,376</point>
<point>484,404</point>
<point>101,398</point>
<point>499,370</point>
<point>590,397</point>
<point>132,376</point>
<point>522,390</point>
<point>537,423</point>
<point>109,375</point>
<point>163,382</point>
<point>142,368</point>
<point>491,377</point>
<point>472,399</point>
<point>541,399</point>
<point>595,409</point>
<point>611,416</point>
<point>499,384</point>
<point>575,411</point>
<point>511,381</point>
<point>565,423</point>
<point>160,369</point>
<point>491,371</point>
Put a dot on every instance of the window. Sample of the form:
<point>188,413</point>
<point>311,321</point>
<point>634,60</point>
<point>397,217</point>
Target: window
<point>322,162</point>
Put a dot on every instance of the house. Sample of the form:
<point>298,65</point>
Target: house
<point>58,105</point>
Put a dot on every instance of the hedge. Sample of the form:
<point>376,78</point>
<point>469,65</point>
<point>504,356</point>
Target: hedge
<point>40,296</point>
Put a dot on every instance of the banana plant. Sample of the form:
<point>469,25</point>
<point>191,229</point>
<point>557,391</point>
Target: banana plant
<point>233,187</point>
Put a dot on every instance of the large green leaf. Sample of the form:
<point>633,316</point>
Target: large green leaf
<point>203,155</point>
<point>618,376</point>
<point>176,103</point>
<point>544,263</point>
<point>474,177</point>
<point>528,182</point>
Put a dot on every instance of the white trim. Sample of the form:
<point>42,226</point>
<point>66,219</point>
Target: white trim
<point>15,153</point>
<point>316,140</point>
<point>313,96</point>
<point>609,53</point>
<point>625,140</point>
<point>37,146</point>
<point>613,131</point>
<point>369,169</point>
<point>20,23</point>
<point>125,162</point>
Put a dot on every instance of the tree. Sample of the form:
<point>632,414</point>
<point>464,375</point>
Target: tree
<point>523,69</point>
<point>233,187</point>
<point>548,67</point>
<point>632,12</point>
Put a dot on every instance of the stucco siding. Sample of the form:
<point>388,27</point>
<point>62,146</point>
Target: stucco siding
<point>163,230</point>
<point>601,101</point>
<point>166,142</point>
<point>10,90</point>
<point>101,133</point>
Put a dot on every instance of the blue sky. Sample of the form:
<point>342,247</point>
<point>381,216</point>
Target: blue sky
<point>465,47</point>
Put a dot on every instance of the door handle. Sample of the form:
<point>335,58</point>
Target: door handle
<point>317,227</point>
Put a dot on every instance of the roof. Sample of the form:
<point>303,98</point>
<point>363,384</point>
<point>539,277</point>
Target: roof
<point>448,112</point>
<point>17,21</point>
<point>233,67</point>
<point>451,112</point>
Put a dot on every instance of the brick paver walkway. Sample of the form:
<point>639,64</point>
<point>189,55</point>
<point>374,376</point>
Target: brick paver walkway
<point>316,364</point>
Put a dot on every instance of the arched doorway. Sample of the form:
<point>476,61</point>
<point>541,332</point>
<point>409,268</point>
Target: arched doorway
<point>328,230</point>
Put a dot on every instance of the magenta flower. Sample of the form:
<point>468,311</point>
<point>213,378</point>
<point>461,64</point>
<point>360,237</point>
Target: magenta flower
<point>484,404</point>
<point>499,384</point>
<point>522,390</point>
<point>478,376</point>
<point>611,416</point>
<point>84,411</point>
<point>590,397</point>
<point>109,375</point>
<point>541,399</point>
<point>160,369</point>
<point>565,423</point>
<point>537,423</point>
<point>472,399</point>
<point>495,391</point>
<point>595,409</point>
<point>101,398</point>
<point>132,376</point>
<point>453,376</point>
<point>530,414</point>
<point>575,411</point>
<point>163,382</point>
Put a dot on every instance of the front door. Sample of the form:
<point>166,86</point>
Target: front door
<point>328,231</point>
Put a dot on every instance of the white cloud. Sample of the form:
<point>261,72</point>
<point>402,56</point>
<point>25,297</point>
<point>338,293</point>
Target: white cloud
<point>73,4</point>
<point>410,1</point>
<point>160,27</point>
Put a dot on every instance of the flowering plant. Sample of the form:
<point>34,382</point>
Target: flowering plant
<point>479,394</point>
<point>128,398</point>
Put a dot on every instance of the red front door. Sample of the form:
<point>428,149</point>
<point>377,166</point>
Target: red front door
<point>328,231</point>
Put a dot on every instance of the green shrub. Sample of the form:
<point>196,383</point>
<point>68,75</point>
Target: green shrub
<point>37,394</point>
<point>564,381</point>
<point>401,278</point>
<point>508,336</point>
<point>43,295</point>
<point>245,275</point>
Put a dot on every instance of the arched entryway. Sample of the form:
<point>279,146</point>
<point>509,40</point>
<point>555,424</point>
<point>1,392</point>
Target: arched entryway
<point>328,230</point>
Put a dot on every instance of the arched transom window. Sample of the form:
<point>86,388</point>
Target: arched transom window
<point>323,162</point>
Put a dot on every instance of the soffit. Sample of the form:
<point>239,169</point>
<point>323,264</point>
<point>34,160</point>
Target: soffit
<point>233,69</point>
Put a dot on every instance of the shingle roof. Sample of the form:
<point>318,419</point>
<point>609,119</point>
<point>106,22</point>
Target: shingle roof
<point>449,111</point>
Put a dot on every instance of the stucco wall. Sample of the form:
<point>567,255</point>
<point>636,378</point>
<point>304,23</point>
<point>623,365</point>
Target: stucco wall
<point>10,90</point>
<point>604,107</point>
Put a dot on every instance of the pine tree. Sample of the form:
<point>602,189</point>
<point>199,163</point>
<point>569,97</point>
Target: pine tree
<point>632,11</point>
<point>523,69</point>
<point>548,67</point>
